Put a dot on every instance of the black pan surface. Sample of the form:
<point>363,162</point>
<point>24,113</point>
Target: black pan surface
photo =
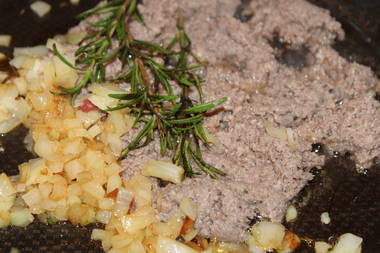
<point>352,199</point>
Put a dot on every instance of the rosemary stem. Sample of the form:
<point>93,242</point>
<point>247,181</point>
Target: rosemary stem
<point>157,107</point>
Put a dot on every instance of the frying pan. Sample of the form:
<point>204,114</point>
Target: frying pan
<point>352,199</point>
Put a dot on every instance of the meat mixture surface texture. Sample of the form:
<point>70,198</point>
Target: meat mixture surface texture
<point>274,61</point>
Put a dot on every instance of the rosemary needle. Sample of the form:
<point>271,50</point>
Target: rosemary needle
<point>175,118</point>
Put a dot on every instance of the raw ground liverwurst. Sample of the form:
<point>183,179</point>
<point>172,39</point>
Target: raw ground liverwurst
<point>274,61</point>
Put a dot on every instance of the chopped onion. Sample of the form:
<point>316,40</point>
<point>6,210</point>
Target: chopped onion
<point>75,38</point>
<point>94,188</point>
<point>253,245</point>
<point>120,241</point>
<point>188,208</point>
<point>164,170</point>
<point>103,216</point>
<point>100,92</point>
<point>32,198</point>
<point>132,224</point>
<point>43,146</point>
<point>5,40</point>
<point>82,214</point>
<point>166,245</point>
<point>40,50</point>
<point>190,235</point>
<point>188,225</point>
<point>94,131</point>
<point>114,182</point>
<point>291,142</point>
<point>7,193</point>
<point>231,247</point>
<point>3,76</point>
<point>291,213</point>
<point>115,143</point>
<point>40,8</point>
<point>119,122</point>
<point>13,110</point>
<point>136,247</point>
<point>282,133</point>
<point>18,61</point>
<point>74,2</point>
<point>325,218</point>
<point>269,235</point>
<point>88,118</point>
<point>21,85</point>
<point>276,132</point>
<point>98,234</point>
<point>50,45</point>
<point>5,219</point>
<point>123,201</point>
<point>21,217</point>
<point>138,220</point>
<point>176,222</point>
<point>322,247</point>
<point>2,56</point>
<point>103,236</point>
<point>348,243</point>
<point>65,75</point>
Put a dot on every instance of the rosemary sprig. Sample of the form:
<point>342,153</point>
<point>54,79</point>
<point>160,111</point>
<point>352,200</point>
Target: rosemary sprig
<point>175,118</point>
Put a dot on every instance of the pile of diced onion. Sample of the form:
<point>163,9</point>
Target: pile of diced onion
<point>77,177</point>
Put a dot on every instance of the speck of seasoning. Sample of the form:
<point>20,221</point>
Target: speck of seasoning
<point>317,148</point>
<point>336,154</point>
<point>315,171</point>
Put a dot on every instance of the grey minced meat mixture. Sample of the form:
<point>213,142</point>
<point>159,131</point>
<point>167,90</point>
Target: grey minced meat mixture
<point>274,61</point>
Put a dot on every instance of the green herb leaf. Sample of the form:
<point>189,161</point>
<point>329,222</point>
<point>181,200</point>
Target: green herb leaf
<point>144,131</point>
<point>151,47</point>
<point>137,16</point>
<point>190,120</point>
<point>205,107</point>
<point>162,99</point>
<point>164,80</point>
<point>126,96</point>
